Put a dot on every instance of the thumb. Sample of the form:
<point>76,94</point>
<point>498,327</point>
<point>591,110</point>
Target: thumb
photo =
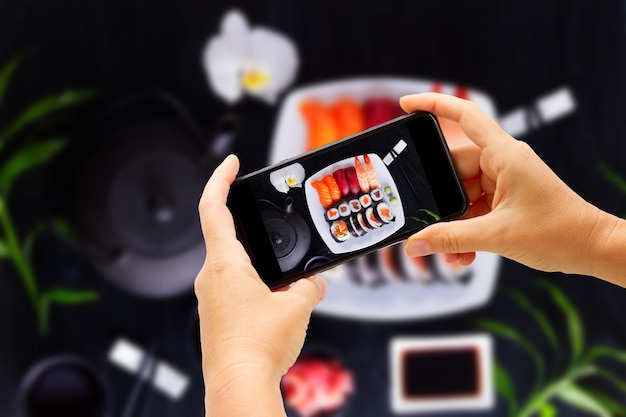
<point>311,290</point>
<point>459,236</point>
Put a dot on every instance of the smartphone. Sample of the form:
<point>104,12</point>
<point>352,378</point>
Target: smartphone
<point>365,192</point>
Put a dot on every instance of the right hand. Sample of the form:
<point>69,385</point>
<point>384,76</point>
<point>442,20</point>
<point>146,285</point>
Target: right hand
<point>519,208</point>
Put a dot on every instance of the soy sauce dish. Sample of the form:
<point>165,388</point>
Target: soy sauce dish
<point>452,373</point>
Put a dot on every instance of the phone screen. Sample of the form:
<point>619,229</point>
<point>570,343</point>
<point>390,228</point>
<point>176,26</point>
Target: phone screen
<point>315,211</point>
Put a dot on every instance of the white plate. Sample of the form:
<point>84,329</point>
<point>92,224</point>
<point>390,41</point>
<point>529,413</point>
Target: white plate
<point>317,211</point>
<point>289,138</point>
<point>397,299</point>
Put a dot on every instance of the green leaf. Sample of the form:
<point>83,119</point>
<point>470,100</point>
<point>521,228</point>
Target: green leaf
<point>417,219</point>
<point>547,410</point>
<point>5,252</point>
<point>613,177</point>
<point>65,228</point>
<point>578,398</point>
<point>29,241</point>
<point>513,335</point>
<point>42,108</point>
<point>600,351</point>
<point>68,297</point>
<point>615,408</point>
<point>574,323</point>
<point>430,213</point>
<point>6,74</point>
<point>61,296</point>
<point>504,386</point>
<point>26,158</point>
<point>611,377</point>
<point>539,317</point>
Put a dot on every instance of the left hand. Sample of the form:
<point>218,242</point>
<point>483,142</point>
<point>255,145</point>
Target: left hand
<point>246,330</point>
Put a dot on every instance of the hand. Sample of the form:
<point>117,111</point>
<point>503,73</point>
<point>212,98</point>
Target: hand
<point>519,208</point>
<point>250,335</point>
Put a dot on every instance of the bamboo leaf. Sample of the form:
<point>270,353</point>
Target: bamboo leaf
<point>504,386</point>
<point>574,323</point>
<point>42,108</point>
<point>613,177</point>
<point>6,74</point>
<point>539,317</point>
<point>614,379</point>
<point>615,408</point>
<point>513,335</point>
<point>417,219</point>
<point>29,241</point>
<point>547,410</point>
<point>600,351</point>
<point>26,158</point>
<point>61,296</point>
<point>430,213</point>
<point>578,398</point>
<point>65,228</point>
<point>72,297</point>
<point>5,252</point>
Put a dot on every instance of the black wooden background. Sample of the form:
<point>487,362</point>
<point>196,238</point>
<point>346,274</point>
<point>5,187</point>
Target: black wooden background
<point>514,51</point>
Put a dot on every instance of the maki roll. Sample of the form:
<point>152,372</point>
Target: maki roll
<point>344,209</point>
<point>372,219</point>
<point>384,212</point>
<point>339,231</point>
<point>332,214</point>
<point>355,227</point>
<point>377,194</point>
<point>365,200</point>
<point>361,219</point>
<point>355,205</point>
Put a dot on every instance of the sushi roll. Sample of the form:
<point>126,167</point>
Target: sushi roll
<point>365,200</point>
<point>384,212</point>
<point>372,219</point>
<point>339,231</point>
<point>377,194</point>
<point>356,229</point>
<point>355,205</point>
<point>361,219</point>
<point>344,209</point>
<point>332,214</point>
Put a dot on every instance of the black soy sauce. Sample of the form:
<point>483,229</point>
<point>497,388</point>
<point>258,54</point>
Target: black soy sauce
<point>440,373</point>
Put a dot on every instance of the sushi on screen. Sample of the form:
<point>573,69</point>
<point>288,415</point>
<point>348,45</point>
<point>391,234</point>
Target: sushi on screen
<point>359,224</point>
<point>353,198</point>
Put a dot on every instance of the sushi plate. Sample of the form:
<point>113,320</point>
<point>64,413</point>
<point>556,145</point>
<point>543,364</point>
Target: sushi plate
<point>290,132</point>
<point>317,211</point>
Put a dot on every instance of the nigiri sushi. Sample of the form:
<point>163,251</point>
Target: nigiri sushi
<point>353,181</point>
<point>372,178</point>
<point>342,181</point>
<point>361,175</point>
<point>323,193</point>
<point>330,182</point>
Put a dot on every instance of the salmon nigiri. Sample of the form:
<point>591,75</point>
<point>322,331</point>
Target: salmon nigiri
<point>333,187</point>
<point>323,192</point>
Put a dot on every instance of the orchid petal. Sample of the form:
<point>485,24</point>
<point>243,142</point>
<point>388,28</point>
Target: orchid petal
<point>223,67</point>
<point>277,55</point>
<point>236,31</point>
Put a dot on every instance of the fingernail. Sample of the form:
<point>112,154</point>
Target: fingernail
<point>321,283</point>
<point>417,248</point>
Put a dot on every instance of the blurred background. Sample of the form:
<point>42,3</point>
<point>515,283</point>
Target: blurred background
<point>113,115</point>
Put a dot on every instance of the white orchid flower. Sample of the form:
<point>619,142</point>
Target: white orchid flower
<point>258,61</point>
<point>287,178</point>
